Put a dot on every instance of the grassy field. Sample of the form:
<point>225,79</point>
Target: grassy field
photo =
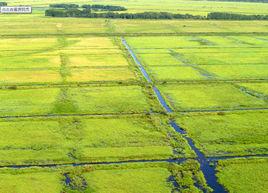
<point>184,58</point>
<point>228,134</point>
<point>64,140</point>
<point>244,175</point>
<point>56,60</point>
<point>131,177</point>
<point>71,95</point>
<point>38,25</point>
<point>30,182</point>
<point>208,97</point>
<point>76,100</point>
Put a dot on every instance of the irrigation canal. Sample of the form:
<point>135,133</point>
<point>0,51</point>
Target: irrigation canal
<point>171,160</point>
<point>208,171</point>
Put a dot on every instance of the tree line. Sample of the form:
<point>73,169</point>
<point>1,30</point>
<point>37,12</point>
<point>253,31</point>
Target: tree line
<point>145,15</point>
<point>104,7</point>
<point>91,11</point>
<point>89,7</point>
<point>151,15</point>
<point>234,16</point>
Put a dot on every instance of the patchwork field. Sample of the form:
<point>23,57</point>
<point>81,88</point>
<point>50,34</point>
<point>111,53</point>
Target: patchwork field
<point>216,87</point>
<point>134,106</point>
<point>101,178</point>
<point>56,60</point>
<point>77,139</point>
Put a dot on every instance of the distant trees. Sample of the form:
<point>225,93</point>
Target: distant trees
<point>89,7</point>
<point>234,16</point>
<point>3,4</point>
<point>145,15</point>
<point>104,7</point>
<point>110,11</point>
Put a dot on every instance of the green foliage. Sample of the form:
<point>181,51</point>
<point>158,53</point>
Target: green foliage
<point>145,15</point>
<point>30,182</point>
<point>189,177</point>
<point>235,16</point>
<point>96,7</point>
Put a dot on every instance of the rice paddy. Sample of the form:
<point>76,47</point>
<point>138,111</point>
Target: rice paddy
<point>78,116</point>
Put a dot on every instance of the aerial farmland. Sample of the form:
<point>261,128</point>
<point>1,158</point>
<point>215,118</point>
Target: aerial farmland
<point>136,96</point>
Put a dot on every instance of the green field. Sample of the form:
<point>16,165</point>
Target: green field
<point>77,139</point>
<point>187,97</point>
<point>228,134</point>
<point>104,178</point>
<point>75,100</point>
<point>78,116</point>
<point>247,175</point>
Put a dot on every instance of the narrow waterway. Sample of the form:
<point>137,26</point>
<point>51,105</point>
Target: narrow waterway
<point>77,164</point>
<point>208,171</point>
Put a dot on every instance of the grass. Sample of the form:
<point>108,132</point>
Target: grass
<point>97,60</point>
<point>260,88</point>
<point>80,100</point>
<point>245,43</point>
<point>29,77</point>
<point>77,139</point>
<point>244,176</point>
<point>30,182</point>
<point>122,99</point>
<point>140,177</point>
<point>131,177</point>
<point>158,58</point>
<point>176,73</point>
<point>226,56</point>
<point>77,75</point>
<point>34,141</point>
<point>228,134</point>
<point>233,72</point>
<point>26,44</point>
<point>37,24</point>
<point>195,58</point>
<point>27,102</point>
<point>100,74</point>
<point>67,60</point>
<point>208,97</point>
<point>182,6</point>
<point>33,61</point>
<point>138,180</point>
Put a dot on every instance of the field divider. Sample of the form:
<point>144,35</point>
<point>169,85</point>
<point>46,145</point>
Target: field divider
<point>78,115</point>
<point>212,81</point>
<point>171,160</point>
<point>69,84</point>
<point>218,158</point>
<point>221,110</point>
<point>77,164</point>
